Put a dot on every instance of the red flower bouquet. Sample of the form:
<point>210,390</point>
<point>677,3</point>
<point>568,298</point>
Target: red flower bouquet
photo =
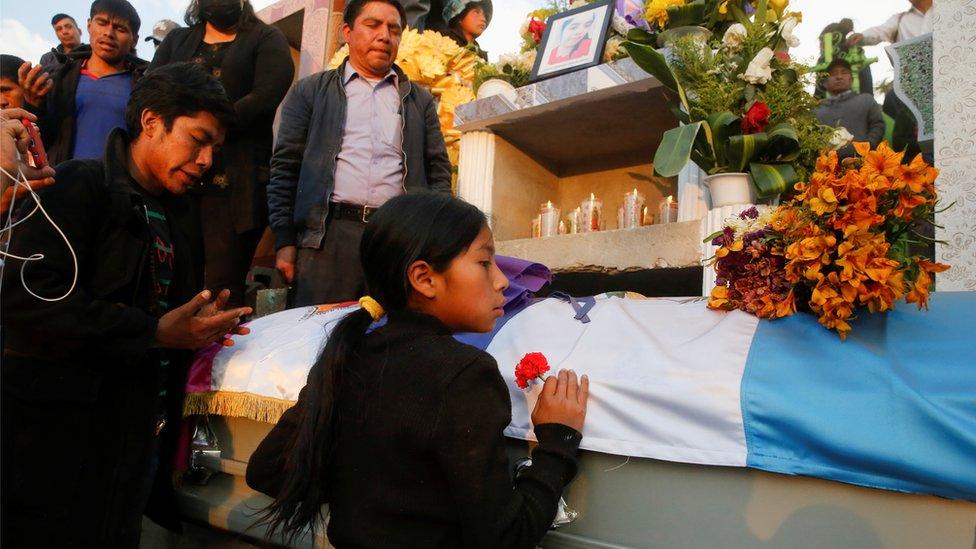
<point>532,366</point>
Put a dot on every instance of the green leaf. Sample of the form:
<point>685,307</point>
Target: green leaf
<point>761,12</point>
<point>656,65</point>
<point>783,143</point>
<point>772,179</point>
<point>749,92</point>
<point>642,36</point>
<point>739,15</point>
<point>675,149</point>
<point>723,125</point>
<point>743,149</point>
<point>681,115</point>
<point>692,13</point>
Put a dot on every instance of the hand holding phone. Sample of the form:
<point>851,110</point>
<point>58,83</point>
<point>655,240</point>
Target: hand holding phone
<point>36,146</point>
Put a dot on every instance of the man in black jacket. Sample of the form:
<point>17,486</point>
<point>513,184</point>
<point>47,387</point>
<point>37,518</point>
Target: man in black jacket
<point>349,139</point>
<point>98,331</point>
<point>84,99</point>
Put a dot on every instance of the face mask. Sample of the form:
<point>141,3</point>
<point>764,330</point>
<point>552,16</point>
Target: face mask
<point>223,15</point>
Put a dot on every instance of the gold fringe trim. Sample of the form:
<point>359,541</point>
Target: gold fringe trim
<point>248,405</point>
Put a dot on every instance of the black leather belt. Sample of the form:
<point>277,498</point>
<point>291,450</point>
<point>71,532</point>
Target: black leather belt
<point>352,212</point>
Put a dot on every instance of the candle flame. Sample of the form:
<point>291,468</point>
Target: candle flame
<point>635,191</point>
<point>592,197</point>
<point>670,199</point>
<point>548,203</point>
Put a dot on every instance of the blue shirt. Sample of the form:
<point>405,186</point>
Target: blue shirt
<point>369,167</point>
<point>99,109</point>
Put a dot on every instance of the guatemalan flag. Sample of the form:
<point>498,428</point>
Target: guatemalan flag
<point>892,407</point>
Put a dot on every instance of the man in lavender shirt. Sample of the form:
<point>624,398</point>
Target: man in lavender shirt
<point>349,140</point>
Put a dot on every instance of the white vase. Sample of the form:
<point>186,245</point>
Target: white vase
<point>727,189</point>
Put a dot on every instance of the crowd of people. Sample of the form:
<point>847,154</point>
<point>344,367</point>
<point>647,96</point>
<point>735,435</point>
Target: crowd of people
<point>129,250</point>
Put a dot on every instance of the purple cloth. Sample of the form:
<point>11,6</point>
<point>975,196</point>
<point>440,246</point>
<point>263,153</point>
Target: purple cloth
<point>524,278</point>
<point>369,167</point>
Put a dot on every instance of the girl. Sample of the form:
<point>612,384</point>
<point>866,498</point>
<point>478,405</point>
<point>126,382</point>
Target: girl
<point>399,429</point>
<point>466,21</point>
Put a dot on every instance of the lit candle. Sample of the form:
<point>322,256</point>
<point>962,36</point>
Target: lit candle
<point>591,214</point>
<point>669,211</point>
<point>536,227</point>
<point>632,209</point>
<point>573,221</point>
<point>548,219</point>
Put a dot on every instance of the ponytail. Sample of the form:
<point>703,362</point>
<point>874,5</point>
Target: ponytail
<point>307,460</point>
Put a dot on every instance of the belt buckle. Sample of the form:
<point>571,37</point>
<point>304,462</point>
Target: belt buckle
<point>366,213</point>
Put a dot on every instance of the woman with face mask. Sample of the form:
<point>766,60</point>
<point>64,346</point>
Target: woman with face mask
<point>253,62</point>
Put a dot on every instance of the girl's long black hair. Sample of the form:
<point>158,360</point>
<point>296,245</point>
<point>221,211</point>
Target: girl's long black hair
<point>435,228</point>
<point>248,19</point>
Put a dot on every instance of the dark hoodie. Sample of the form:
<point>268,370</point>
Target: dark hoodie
<point>859,113</point>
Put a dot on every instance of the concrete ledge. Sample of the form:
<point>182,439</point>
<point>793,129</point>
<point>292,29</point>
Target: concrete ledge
<point>650,247</point>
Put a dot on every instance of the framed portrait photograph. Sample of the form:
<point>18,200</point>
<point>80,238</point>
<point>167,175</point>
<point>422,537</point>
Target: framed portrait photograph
<point>573,40</point>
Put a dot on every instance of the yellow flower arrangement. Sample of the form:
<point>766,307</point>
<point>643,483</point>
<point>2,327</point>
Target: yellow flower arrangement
<point>656,11</point>
<point>436,62</point>
<point>839,245</point>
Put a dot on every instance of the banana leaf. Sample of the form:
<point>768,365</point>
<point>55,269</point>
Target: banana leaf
<point>772,179</point>
<point>723,126</point>
<point>642,36</point>
<point>692,13</point>
<point>779,143</point>
<point>676,148</point>
<point>653,63</point>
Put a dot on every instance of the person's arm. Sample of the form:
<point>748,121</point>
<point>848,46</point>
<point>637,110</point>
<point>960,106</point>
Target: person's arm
<point>286,161</point>
<point>273,73</point>
<point>437,163</point>
<point>470,448</point>
<point>14,141</point>
<point>885,32</point>
<point>111,328</point>
<point>876,123</point>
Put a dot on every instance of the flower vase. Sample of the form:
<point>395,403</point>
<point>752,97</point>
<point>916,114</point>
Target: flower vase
<point>669,36</point>
<point>732,188</point>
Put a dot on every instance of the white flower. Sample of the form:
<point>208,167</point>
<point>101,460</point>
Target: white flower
<point>528,59</point>
<point>734,36</point>
<point>759,71</point>
<point>786,28</point>
<point>620,25</point>
<point>577,4</point>
<point>840,138</point>
<point>524,29</point>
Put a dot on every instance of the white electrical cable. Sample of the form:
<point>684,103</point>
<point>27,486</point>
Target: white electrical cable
<point>22,181</point>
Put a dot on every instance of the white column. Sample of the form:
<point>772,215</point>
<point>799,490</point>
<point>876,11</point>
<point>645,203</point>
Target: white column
<point>476,169</point>
<point>954,84</point>
<point>691,197</point>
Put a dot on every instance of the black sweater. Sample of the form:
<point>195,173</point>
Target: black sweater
<point>420,460</point>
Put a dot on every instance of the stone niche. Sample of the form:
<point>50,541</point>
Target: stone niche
<point>591,131</point>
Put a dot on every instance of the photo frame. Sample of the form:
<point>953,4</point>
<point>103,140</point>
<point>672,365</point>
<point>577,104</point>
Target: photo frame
<point>573,40</point>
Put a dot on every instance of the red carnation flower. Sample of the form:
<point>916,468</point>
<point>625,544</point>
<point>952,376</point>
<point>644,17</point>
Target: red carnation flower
<point>782,56</point>
<point>532,366</point>
<point>756,119</point>
<point>537,27</point>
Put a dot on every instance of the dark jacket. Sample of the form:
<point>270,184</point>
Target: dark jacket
<point>859,113</point>
<point>460,40</point>
<point>54,58</point>
<point>80,383</point>
<point>56,118</point>
<point>313,119</point>
<point>420,458</point>
<point>256,72</point>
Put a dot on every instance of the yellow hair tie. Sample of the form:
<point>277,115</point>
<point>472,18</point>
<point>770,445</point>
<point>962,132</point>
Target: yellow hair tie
<point>372,307</point>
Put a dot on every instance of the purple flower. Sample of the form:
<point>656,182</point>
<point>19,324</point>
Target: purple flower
<point>636,22</point>
<point>749,9</point>
<point>751,213</point>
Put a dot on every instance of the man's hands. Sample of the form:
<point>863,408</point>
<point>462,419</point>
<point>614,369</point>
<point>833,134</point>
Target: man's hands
<point>14,140</point>
<point>35,82</point>
<point>855,39</point>
<point>562,400</point>
<point>285,262</point>
<point>199,322</point>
